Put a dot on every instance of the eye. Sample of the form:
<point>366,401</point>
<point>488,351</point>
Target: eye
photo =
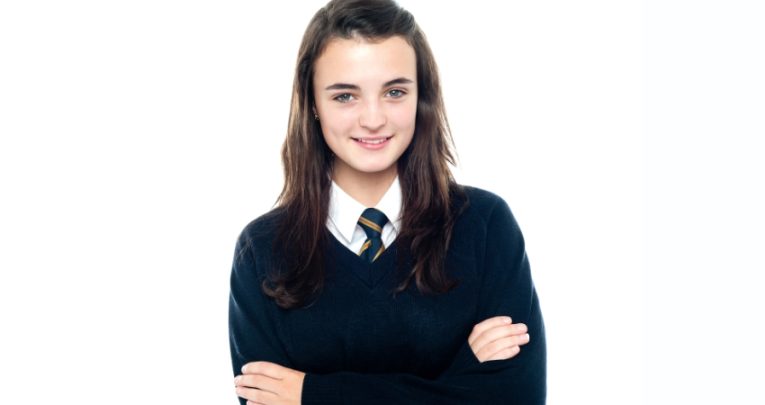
<point>343,98</point>
<point>396,93</point>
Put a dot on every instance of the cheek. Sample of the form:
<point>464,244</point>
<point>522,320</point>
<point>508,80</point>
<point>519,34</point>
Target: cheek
<point>405,118</point>
<point>337,124</point>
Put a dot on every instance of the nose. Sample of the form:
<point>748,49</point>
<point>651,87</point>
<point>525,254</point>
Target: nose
<point>372,116</point>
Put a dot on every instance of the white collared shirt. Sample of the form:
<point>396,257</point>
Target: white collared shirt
<point>344,213</point>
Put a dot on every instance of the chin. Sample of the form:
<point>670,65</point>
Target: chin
<point>372,169</point>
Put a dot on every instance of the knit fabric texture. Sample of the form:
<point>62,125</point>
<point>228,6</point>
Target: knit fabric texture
<point>360,344</point>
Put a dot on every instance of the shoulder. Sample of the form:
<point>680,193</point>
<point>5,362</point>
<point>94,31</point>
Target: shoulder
<point>257,237</point>
<point>481,205</point>
<point>482,198</point>
<point>264,226</point>
<point>486,218</point>
<point>486,231</point>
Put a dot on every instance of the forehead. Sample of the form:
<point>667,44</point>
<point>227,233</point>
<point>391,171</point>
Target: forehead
<point>358,61</point>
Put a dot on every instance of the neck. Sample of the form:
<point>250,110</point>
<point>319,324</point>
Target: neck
<point>366,188</point>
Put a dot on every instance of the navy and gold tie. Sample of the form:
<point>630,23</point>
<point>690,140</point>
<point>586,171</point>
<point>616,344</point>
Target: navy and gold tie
<point>372,222</point>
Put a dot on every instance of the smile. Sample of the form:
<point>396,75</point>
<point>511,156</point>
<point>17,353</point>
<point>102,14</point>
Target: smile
<point>372,141</point>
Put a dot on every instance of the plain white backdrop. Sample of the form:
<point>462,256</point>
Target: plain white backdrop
<point>138,138</point>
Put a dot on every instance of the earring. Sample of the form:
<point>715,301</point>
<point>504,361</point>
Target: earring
<point>316,116</point>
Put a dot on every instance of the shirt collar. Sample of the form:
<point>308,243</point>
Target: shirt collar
<point>344,211</point>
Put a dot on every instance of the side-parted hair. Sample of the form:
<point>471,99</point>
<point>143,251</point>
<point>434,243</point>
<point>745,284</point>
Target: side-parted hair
<point>431,198</point>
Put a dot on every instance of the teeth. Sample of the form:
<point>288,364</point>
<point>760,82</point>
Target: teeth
<point>373,142</point>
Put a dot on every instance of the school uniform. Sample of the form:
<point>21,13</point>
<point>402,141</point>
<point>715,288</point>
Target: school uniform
<point>358,344</point>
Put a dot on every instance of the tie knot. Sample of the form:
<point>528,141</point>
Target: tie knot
<point>372,222</point>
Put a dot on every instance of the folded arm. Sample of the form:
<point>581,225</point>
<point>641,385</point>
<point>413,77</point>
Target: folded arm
<point>507,290</point>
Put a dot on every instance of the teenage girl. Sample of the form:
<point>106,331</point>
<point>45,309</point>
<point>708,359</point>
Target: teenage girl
<point>377,278</point>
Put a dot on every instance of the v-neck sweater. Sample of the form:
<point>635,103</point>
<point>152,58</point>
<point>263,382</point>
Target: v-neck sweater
<point>360,344</point>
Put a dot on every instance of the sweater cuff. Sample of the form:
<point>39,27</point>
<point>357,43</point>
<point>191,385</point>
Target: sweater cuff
<point>464,360</point>
<point>321,389</point>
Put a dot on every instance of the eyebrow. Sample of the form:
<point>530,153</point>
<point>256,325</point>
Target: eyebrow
<point>346,86</point>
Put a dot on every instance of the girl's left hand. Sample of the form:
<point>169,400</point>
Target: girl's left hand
<point>268,383</point>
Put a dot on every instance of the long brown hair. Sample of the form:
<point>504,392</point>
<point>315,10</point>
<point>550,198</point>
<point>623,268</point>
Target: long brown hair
<point>428,188</point>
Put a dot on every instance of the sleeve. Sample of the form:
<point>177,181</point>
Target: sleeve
<point>252,327</point>
<point>506,289</point>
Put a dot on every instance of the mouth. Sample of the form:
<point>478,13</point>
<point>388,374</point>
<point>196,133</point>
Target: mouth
<point>372,141</point>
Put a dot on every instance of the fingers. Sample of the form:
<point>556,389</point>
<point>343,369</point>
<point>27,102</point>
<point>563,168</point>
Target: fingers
<point>256,396</point>
<point>488,324</point>
<point>257,389</point>
<point>504,354</point>
<point>258,381</point>
<point>503,331</point>
<point>495,328</point>
<point>265,383</point>
<point>265,368</point>
<point>497,339</point>
<point>504,348</point>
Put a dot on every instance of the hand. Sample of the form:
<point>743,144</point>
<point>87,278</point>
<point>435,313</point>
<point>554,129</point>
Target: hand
<point>497,338</point>
<point>265,383</point>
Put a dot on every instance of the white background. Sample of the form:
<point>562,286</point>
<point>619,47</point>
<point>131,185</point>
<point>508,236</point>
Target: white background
<point>138,138</point>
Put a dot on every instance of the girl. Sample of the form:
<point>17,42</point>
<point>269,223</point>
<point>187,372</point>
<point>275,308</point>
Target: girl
<point>377,278</point>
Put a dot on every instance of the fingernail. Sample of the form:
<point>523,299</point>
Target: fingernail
<point>243,367</point>
<point>508,320</point>
<point>237,379</point>
<point>527,337</point>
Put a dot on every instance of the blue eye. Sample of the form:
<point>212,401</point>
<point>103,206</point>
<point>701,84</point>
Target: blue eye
<point>343,98</point>
<point>396,93</point>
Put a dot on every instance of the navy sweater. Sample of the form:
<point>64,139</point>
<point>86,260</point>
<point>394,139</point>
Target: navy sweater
<point>358,344</point>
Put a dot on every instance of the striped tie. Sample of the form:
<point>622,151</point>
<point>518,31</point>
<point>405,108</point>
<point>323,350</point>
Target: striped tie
<point>372,222</point>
